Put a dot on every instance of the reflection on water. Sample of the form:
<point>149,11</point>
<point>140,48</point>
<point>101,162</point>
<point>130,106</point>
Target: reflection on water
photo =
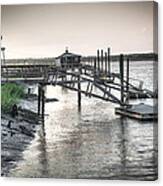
<point>91,144</point>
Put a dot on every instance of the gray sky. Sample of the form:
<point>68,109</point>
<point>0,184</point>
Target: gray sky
<point>45,30</point>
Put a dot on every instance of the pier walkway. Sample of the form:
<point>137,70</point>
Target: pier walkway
<point>87,76</point>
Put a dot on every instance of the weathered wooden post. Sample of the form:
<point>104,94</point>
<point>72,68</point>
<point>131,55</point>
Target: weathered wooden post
<point>43,103</point>
<point>109,65</point>
<point>39,98</point>
<point>106,63</point>
<point>79,92</point>
<point>3,55</point>
<point>127,74</point>
<point>29,91</point>
<point>98,60</point>
<point>121,65</point>
<point>102,61</point>
<point>95,65</point>
<point>4,60</point>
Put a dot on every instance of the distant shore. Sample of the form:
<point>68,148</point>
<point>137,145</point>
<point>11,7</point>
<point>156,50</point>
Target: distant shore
<point>132,57</point>
<point>138,57</point>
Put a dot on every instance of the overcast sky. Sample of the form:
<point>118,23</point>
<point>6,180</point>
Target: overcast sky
<point>45,30</point>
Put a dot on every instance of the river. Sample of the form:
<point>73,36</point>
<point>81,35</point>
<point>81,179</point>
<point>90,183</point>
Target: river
<point>93,143</point>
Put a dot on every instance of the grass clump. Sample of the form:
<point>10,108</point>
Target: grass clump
<point>11,93</point>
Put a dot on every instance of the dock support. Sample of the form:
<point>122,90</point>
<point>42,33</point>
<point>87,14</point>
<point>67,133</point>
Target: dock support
<point>95,66</point>
<point>102,61</point>
<point>43,104</point>
<point>127,75</point>
<point>98,60</point>
<point>106,71</point>
<point>121,65</point>
<point>3,55</point>
<point>109,65</point>
<point>79,93</point>
<point>39,99</point>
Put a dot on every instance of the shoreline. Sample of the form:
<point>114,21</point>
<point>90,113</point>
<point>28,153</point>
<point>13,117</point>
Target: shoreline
<point>16,135</point>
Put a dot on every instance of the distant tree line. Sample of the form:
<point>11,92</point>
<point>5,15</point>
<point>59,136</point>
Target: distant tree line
<point>132,57</point>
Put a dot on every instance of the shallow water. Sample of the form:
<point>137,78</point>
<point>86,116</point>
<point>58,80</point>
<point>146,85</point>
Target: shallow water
<point>93,143</point>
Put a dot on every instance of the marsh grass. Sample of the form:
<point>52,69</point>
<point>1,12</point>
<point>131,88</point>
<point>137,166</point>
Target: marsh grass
<point>11,93</point>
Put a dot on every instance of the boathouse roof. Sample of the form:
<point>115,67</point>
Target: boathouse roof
<point>68,54</point>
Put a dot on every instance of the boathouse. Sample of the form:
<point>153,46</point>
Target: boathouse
<point>68,59</point>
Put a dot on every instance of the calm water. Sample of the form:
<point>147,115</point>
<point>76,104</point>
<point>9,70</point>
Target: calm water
<point>94,143</point>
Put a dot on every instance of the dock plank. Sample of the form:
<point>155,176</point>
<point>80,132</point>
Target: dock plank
<point>139,111</point>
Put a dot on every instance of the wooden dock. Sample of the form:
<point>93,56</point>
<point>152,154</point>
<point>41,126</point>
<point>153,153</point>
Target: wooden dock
<point>140,111</point>
<point>95,74</point>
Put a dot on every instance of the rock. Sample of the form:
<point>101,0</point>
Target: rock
<point>47,100</point>
<point>14,111</point>
<point>9,124</point>
<point>24,130</point>
<point>12,133</point>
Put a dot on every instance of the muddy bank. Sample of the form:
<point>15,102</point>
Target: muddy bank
<point>17,133</point>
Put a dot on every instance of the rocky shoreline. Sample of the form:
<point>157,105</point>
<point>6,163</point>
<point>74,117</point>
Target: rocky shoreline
<point>16,135</point>
<point>18,132</point>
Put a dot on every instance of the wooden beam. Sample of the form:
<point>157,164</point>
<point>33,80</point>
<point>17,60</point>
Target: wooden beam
<point>102,61</point>
<point>109,62</point>
<point>39,99</point>
<point>121,66</point>
<point>127,75</point>
<point>43,103</point>
<point>79,92</point>
<point>98,60</point>
<point>106,65</point>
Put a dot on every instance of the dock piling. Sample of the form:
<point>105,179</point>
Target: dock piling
<point>95,66</point>
<point>102,61</point>
<point>106,63</point>
<point>98,60</point>
<point>109,65</point>
<point>43,103</point>
<point>127,75</point>
<point>121,65</point>
<point>79,93</point>
<point>39,99</point>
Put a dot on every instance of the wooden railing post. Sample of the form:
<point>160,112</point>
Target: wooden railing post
<point>95,66</point>
<point>109,61</point>
<point>79,92</point>
<point>121,65</point>
<point>43,104</point>
<point>98,60</point>
<point>127,74</point>
<point>106,63</point>
<point>102,61</point>
<point>39,98</point>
